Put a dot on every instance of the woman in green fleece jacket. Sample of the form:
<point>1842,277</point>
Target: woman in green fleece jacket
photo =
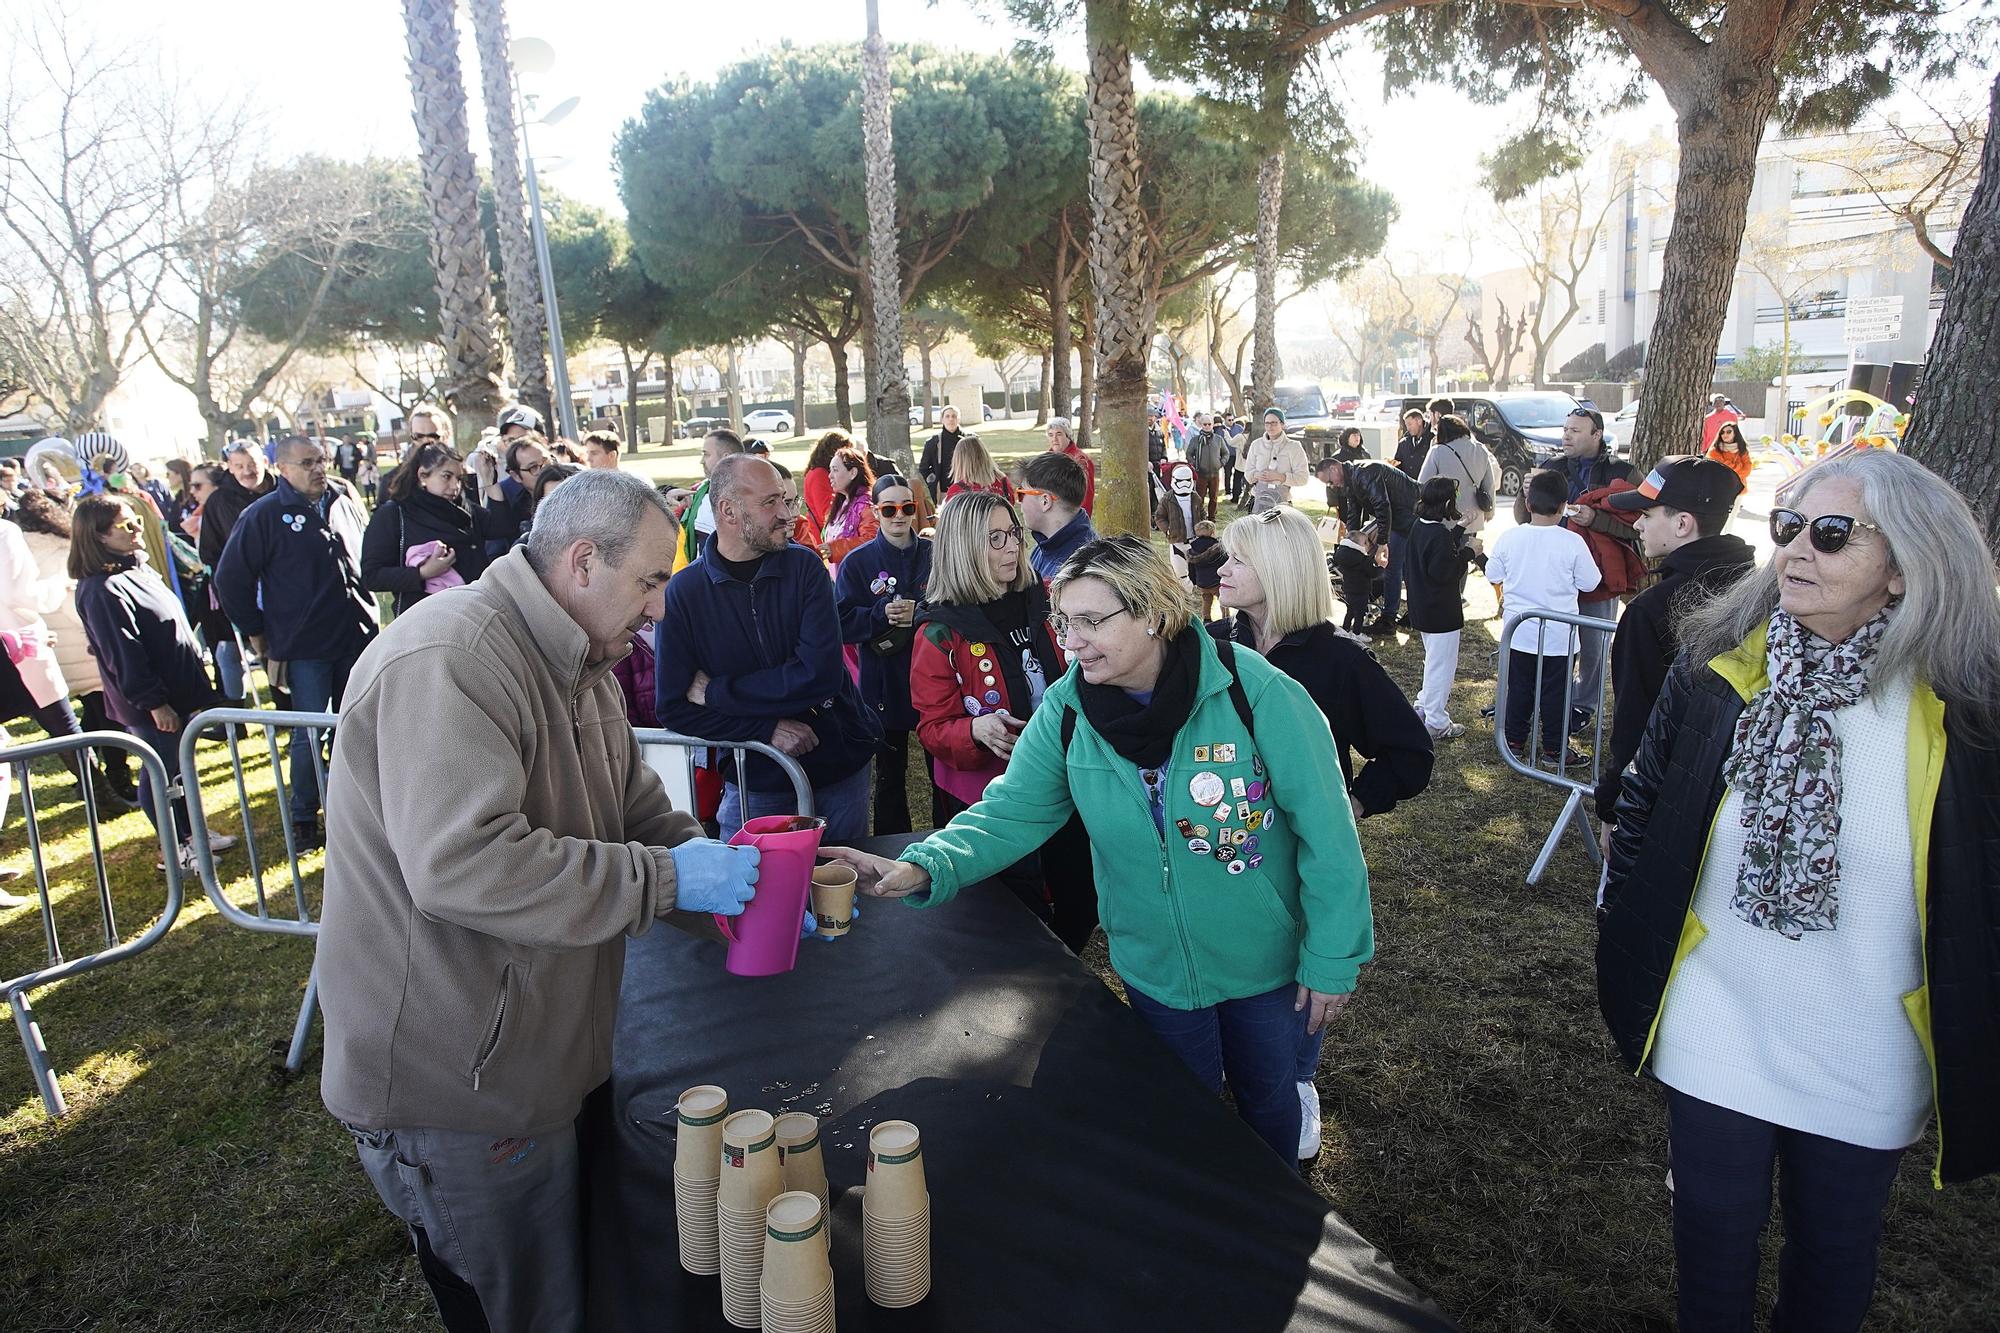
<point>1232,888</point>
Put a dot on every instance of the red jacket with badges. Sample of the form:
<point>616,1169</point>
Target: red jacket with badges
<point>968,661</point>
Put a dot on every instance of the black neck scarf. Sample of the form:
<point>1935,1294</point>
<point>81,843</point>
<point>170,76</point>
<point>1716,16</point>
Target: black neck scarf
<point>1144,733</point>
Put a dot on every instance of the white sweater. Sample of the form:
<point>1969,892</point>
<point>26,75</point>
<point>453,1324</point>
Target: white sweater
<point>1811,1033</point>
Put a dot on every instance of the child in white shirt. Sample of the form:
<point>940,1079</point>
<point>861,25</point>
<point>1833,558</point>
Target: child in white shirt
<point>1541,567</point>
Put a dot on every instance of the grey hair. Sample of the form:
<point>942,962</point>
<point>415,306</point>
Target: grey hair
<point>574,512</point>
<point>1946,629</point>
<point>1062,424</point>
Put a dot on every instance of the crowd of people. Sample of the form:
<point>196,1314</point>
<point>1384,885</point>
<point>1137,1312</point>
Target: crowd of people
<point>1795,926</point>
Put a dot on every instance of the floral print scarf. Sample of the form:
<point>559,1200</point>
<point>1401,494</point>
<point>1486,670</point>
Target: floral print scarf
<point>1786,762</point>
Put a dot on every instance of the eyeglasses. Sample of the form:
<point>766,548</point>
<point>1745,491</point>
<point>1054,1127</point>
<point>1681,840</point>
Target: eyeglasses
<point>1025,491</point>
<point>1829,531</point>
<point>127,525</point>
<point>1001,538</point>
<point>888,510</point>
<point>1595,419</point>
<point>530,469</point>
<point>1061,624</point>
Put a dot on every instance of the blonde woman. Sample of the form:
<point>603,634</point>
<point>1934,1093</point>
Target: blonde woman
<point>1238,922</point>
<point>973,469</point>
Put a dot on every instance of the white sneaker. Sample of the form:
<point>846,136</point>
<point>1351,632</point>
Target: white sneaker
<point>185,856</point>
<point>1450,731</point>
<point>1308,1121</point>
<point>220,842</point>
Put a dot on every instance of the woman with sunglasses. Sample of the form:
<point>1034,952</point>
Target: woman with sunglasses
<point>850,516</point>
<point>1798,935</point>
<point>1234,895</point>
<point>1730,450</point>
<point>154,678</point>
<point>876,591</point>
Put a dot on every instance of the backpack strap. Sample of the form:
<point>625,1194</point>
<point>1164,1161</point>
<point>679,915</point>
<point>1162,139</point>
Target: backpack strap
<point>1238,697</point>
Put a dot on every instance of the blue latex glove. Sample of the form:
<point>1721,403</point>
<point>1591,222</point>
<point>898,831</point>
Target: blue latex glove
<point>812,926</point>
<point>711,876</point>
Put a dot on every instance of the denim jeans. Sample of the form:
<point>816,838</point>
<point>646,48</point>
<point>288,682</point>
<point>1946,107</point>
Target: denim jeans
<point>228,666</point>
<point>1830,1193</point>
<point>1254,1044</point>
<point>316,686</point>
<point>843,805</point>
<point>1392,576</point>
<point>165,744</point>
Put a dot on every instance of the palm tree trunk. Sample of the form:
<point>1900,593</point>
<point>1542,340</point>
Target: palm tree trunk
<point>1126,304</point>
<point>451,197</point>
<point>889,408</point>
<point>1264,350</point>
<point>520,275</point>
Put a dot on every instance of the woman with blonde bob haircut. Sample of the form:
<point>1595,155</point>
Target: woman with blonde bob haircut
<point>1275,578</point>
<point>1234,895</point>
<point>1797,934</point>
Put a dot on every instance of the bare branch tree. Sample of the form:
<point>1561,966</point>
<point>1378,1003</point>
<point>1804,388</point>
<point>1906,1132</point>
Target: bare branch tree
<point>95,145</point>
<point>1921,174</point>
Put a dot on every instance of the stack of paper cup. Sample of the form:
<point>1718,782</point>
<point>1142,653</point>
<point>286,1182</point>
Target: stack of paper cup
<point>797,1283</point>
<point>697,1173</point>
<point>751,1178</point>
<point>896,1217</point>
<point>799,1152</point>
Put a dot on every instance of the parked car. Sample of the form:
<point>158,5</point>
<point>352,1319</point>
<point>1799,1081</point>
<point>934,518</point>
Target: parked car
<point>1307,415</point>
<point>696,427</point>
<point>1347,406</point>
<point>1523,428</point>
<point>770,420</point>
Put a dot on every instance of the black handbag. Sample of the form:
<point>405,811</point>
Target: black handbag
<point>893,640</point>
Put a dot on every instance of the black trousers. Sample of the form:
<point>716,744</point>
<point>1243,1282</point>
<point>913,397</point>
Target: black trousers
<point>892,793</point>
<point>117,764</point>
<point>1057,883</point>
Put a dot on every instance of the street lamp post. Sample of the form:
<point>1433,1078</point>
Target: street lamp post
<point>538,57</point>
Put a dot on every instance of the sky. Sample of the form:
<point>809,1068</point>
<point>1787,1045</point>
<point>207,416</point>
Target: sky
<point>333,80</point>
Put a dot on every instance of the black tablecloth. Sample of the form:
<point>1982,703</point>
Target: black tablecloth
<point>1080,1177</point>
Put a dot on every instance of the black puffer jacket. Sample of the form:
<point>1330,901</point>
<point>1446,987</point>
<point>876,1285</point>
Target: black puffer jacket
<point>1669,802</point>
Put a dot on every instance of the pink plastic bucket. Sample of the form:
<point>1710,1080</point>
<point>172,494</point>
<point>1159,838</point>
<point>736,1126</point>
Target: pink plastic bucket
<point>764,940</point>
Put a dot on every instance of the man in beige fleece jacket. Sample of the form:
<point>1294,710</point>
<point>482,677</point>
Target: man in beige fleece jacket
<point>492,838</point>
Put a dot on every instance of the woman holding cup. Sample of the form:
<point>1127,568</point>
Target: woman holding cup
<point>876,590</point>
<point>979,668</point>
<point>1234,896</point>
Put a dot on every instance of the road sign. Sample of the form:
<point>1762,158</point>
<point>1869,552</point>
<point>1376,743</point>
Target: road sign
<point>1873,319</point>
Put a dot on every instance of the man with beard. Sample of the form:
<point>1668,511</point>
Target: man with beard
<point>493,838</point>
<point>749,649</point>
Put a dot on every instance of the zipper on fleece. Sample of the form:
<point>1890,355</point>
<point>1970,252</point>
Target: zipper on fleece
<point>492,1041</point>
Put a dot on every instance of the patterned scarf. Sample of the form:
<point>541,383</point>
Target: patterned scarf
<point>1786,762</point>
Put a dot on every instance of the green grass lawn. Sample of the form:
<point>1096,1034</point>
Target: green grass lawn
<point>1477,1128</point>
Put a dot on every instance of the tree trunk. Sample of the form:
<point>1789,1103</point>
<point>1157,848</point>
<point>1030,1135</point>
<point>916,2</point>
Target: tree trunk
<point>924,354</point>
<point>799,349</point>
<point>1722,112</point>
<point>843,395</point>
<point>520,274</point>
<point>889,403</point>
<point>1954,430</point>
<point>1062,386</point>
<point>1048,372</point>
<point>1086,360</point>
<point>673,399</point>
<point>1125,304</point>
<point>451,198</point>
<point>1264,354</point>
<point>734,384</point>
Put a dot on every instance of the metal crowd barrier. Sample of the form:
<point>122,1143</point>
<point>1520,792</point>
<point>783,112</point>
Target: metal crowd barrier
<point>116,949</point>
<point>1580,781</point>
<point>294,916</point>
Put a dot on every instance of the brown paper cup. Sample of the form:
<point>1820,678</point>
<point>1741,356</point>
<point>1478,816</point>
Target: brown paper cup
<point>698,1139</point>
<point>833,899</point>
<point>802,1156</point>
<point>895,1170</point>
<point>795,1263</point>
<point>751,1174</point>
<point>694,1217</point>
